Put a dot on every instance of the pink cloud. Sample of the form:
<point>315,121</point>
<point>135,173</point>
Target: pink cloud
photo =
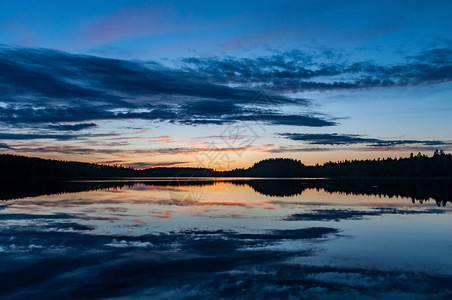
<point>132,22</point>
<point>138,221</point>
<point>24,35</point>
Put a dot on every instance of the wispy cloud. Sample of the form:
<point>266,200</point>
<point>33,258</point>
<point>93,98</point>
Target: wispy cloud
<point>296,71</point>
<point>333,139</point>
<point>146,165</point>
<point>31,136</point>
<point>72,127</point>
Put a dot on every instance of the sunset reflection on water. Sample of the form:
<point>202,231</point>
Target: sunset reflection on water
<point>307,236</point>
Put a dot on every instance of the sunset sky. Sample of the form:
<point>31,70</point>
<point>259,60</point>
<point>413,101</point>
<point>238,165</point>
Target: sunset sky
<point>224,84</point>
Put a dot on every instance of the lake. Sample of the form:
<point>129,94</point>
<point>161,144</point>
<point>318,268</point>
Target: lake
<point>226,238</point>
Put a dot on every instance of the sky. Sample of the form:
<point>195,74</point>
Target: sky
<point>224,84</point>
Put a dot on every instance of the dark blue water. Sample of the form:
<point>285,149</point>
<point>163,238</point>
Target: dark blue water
<point>224,240</point>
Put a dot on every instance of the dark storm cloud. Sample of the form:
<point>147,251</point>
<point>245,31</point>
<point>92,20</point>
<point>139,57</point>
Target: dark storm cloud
<point>265,117</point>
<point>21,114</point>
<point>47,86</point>
<point>33,217</point>
<point>190,114</point>
<point>4,146</point>
<point>20,77</point>
<point>294,120</point>
<point>352,139</point>
<point>439,56</point>
<point>72,127</point>
<point>31,136</point>
<point>328,139</point>
<point>202,108</point>
<point>296,71</point>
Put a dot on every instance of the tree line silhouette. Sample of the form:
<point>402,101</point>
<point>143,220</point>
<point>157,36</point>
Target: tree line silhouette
<point>22,167</point>
<point>420,166</point>
<point>416,166</point>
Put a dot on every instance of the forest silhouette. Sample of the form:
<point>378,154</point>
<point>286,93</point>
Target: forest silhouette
<point>416,166</point>
<point>418,177</point>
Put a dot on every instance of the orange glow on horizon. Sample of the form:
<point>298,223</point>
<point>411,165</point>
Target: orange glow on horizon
<point>141,159</point>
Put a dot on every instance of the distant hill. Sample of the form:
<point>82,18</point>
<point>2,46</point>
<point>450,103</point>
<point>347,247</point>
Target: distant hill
<point>274,167</point>
<point>14,166</point>
<point>416,166</point>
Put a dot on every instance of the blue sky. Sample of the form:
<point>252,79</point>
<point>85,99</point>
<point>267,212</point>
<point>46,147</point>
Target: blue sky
<point>146,83</point>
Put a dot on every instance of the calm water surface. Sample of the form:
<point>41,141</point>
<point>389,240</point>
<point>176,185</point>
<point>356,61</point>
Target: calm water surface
<point>192,239</point>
